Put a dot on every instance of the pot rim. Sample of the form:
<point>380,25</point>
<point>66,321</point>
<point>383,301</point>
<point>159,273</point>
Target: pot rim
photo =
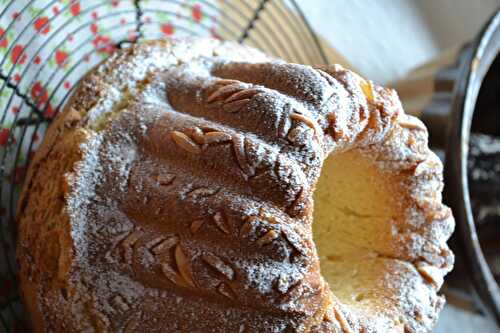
<point>477,60</point>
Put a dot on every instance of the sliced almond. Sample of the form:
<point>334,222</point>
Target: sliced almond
<point>128,243</point>
<point>197,135</point>
<point>185,142</point>
<point>326,76</point>
<point>284,122</point>
<point>223,92</point>
<point>243,94</point>
<point>295,241</point>
<point>239,151</point>
<point>412,123</point>
<point>364,113</point>
<point>150,244</point>
<point>299,204</point>
<point>306,120</point>
<point>165,245</point>
<point>196,225</point>
<point>430,273</point>
<point>219,265</point>
<point>267,238</point>
<point>346,327</point>
<point>338,132</point>
<point>224,289</point>
<point>172,275</point>
<point>282,283</point>
<point>235,106</point>
<point>132,238</point>
<point>216,137</point>
<point>221,223</point>
<point>367,88</point>
<point>225,82</point>
<point>165,179</point>
<point>203,192</point>
<point>183,266</point>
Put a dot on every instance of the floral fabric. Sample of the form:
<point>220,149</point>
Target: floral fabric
<point>45,48</point>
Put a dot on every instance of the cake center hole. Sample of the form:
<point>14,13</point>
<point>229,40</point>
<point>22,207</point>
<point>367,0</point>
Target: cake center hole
<point>355,206</point>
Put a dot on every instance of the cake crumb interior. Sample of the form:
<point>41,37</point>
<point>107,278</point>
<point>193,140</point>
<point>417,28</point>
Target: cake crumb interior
<point>354,216</point>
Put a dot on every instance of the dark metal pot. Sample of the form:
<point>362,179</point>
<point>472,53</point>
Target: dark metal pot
<point>478,77</point>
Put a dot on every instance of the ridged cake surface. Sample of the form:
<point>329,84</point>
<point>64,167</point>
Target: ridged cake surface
<point>174,193</point>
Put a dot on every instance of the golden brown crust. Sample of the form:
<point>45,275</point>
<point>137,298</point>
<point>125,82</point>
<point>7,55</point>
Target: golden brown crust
<point>183,174</point>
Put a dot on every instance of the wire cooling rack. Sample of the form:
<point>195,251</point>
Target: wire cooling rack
<point>47,46</point>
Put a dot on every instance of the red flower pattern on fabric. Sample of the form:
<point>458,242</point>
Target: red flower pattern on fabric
<point>167,29</point>
<point>197,13</point>
<point>61,57</point>
<point>4,42</point>
<point>17,55</point>
<point>75,9</point>
<point>42,25</point>
<point>39,93</point>
<point>4,136</point>
<point>103,44</point>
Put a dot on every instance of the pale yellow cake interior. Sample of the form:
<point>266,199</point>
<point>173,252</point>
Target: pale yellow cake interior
<point>355,210</point>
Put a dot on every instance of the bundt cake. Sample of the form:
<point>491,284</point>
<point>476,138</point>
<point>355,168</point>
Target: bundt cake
<point>177,190</point>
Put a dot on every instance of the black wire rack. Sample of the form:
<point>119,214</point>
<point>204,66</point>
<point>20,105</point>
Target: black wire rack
<point>47,46</point>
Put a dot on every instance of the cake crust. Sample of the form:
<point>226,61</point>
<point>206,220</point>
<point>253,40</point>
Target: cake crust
<point>174,194</point>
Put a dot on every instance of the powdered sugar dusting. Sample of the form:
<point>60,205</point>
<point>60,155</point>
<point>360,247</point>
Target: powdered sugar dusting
<point>151,166</point>
<point>264,275</point>
<point>88,175</point>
